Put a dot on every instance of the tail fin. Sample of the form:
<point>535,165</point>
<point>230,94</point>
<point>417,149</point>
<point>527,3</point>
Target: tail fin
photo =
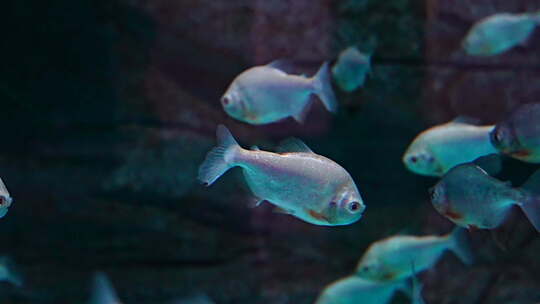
<point>460,245</point>
<point>218,160</point>
<point>11,271</point>
<point>323,88</point>
<point>416,293</point>
<point>531,205</point>
<point>103,292</point>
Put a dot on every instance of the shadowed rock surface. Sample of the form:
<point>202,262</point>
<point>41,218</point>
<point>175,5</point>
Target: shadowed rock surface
<point>110,106</point>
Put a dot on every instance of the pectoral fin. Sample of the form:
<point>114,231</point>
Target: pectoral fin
<point>293,145</point>
<point>318,215</point>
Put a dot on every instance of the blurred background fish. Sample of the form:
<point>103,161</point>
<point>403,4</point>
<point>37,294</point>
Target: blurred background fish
<point>390,259</point>
<point>499,33</point>
<point>354,290</point>
<point>351,69</point>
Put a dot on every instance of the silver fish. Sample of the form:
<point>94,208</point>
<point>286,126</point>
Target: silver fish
<point>354,290</point>
<point>5,199</point>
<point>497,34</point>
<point>103,291</point>
<point>471,198</point>
<point>438,149</point>
<point>518,135</point>
<point>265,94</point>
<point>301,183</point>
<point>390,259</point>
<point>351,69</point>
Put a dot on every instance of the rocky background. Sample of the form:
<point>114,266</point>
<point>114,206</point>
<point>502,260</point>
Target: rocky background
<point>109,106</point>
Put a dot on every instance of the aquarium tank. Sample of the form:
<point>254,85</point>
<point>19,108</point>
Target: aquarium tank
<point>270,152</point>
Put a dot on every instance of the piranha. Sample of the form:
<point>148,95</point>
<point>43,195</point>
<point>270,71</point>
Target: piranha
<point>498,33</point>
<point>298,181</point>
<point>351,69</point>
<point>265,94</point>
<point>468,196</point>
<point>390,259</point>
<point>518,136</point>
<point>438,149</point>
<point>103,291</point>
<point>354,290</point>
<point>5,199</point>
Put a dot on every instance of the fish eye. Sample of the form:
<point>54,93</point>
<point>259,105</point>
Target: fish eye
<point>413,159</point>
<point>354,206</point>
<point>333,204</point>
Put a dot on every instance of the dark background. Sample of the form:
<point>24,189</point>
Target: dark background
<point>108,108</point>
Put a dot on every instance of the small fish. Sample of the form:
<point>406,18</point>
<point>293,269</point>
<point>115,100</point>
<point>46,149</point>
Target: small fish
<point>518,136</point>
<point>471,198</point>
<point>5,199</point>
<point>351,69</point>
<point>298,181</point>
<point>354,290</point>
<point>497,34</point>
<point>103,291</point>
<point>265,94</point>
<point>390,259</point>
<point>438,149</point>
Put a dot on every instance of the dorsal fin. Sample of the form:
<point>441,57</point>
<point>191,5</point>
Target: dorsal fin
<point>466,120</point>
<point>293,144</point>
<point>280,64</point>
<point>255,148</point>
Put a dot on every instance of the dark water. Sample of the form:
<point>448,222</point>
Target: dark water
<point>108,108</point>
